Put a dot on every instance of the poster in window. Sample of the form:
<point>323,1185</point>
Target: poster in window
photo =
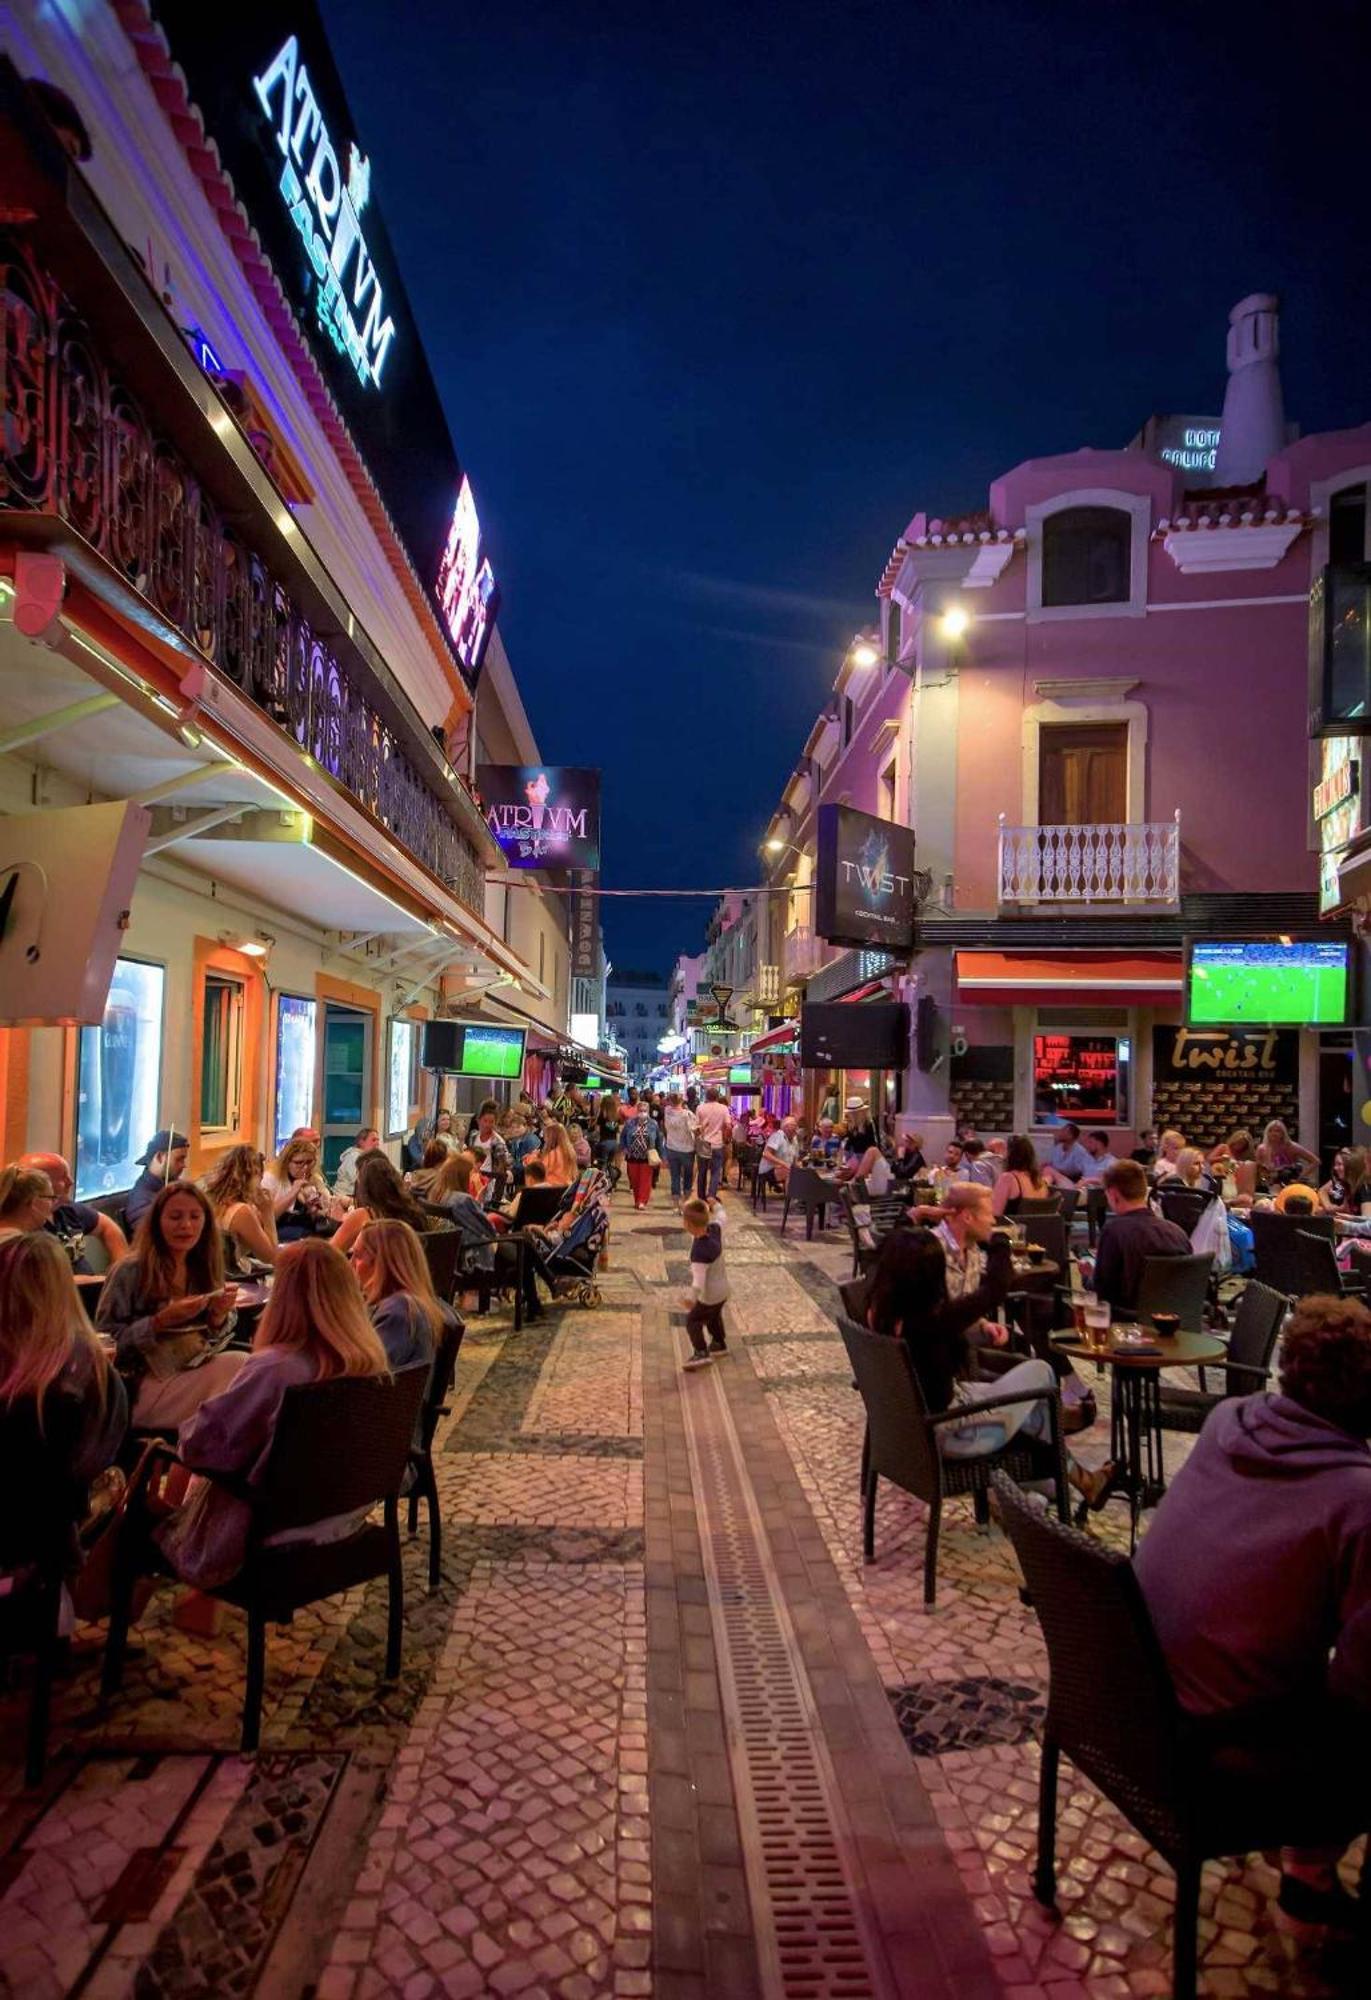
<point>295,1063</point>
<point>399,1077</point>
<point>119,1080</point>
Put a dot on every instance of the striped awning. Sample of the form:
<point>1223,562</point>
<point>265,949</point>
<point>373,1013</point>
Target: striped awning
<point>1069,978</point>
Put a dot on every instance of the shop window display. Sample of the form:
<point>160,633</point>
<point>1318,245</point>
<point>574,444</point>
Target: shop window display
<point>119,1080</point>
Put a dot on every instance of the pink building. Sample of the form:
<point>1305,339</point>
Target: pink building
<point>1093,711</point>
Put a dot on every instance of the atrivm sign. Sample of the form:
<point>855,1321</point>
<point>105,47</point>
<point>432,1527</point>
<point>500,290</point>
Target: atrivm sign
<point>326,203</point>
<point>544,815</point>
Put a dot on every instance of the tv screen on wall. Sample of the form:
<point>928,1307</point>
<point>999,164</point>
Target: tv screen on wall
<point>497,1052</point>
<point>871,1034</point>
<point>1267,982</point>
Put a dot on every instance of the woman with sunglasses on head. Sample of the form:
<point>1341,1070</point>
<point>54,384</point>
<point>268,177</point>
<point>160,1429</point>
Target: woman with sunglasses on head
<point>161,1302</point>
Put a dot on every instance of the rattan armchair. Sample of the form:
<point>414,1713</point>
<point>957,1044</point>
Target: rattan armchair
<point>1245,1369</point>
<point>903,1443</point>
<point>1112,1709</point>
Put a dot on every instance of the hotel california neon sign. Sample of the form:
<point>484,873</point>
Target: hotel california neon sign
<point>326,206</point>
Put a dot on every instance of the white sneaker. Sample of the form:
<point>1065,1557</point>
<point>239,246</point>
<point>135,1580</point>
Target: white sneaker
<point>698,1360</point>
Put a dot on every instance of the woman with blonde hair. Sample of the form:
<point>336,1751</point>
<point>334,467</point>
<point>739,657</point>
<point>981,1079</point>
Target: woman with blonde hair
<point>60,1401</point>
<point>159,1303</point>
<point>299,1193</point>
<point>1282,1158</point>
<point>1235,1158</point>
<point>392,1270</point>
<point>557,1155</point>
<point>26,1200</point>
<point>314,1329</point>
<point>380,1192</point>
<point>242,1207</point>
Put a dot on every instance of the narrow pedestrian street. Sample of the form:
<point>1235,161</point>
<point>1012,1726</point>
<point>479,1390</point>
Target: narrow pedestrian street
<point>658,1731</point>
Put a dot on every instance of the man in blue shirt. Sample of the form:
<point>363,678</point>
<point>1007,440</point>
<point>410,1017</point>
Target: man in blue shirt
<point>1068,1161</point>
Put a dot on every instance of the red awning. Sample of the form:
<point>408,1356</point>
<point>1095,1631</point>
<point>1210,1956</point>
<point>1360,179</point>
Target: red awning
<point>867,992</point>
<point>1069,978</point>
<point>775,1038</point>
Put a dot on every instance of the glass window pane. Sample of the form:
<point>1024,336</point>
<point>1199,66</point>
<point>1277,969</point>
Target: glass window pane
<point>294,1098</point>
<point>120,1080</point>
<point>1076,1077</point>
<point>1086,556</point>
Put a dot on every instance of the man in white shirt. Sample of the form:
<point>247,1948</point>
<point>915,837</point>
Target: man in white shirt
<point>1097,1146</point>
<point>977,1168</point>
<point>713,1127</point>
<point>781,1152</point>
<point>1068,1162</point>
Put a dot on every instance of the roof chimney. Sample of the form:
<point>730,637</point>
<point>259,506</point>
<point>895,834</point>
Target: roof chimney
<point>1253,409</point>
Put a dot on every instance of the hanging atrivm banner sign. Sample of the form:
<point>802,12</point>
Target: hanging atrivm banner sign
<point>543,815</point>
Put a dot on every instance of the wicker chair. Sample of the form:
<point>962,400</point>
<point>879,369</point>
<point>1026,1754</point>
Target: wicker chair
<point>1316,1263</point>
<point>39,1511</point>
<point>1273,1243</point>
<point>1049,1233</point>
<point>1182,1205</point>
<point>854,1293</point>
<point>1176,1285</point>
<point>424,1481</point>
<point>903,1443</point>
<point>804,1190</point>
<point>1256,1325</point>
<point>338,1446</point>
<point>1112,1709</point>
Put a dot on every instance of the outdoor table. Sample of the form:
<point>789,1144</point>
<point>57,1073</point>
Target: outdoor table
<point>1029,1277</point>
<point>1136,1417</point>
<point>250,1303</point>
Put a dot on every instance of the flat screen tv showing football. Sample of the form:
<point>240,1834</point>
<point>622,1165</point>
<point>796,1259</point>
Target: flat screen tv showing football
<point>496,1052</point>
<point>1268,982</point>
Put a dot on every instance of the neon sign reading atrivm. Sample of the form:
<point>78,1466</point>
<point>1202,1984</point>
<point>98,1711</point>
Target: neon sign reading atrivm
<point>326,208</point>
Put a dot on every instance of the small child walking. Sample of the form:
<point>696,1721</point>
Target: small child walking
<point>708,1281</point>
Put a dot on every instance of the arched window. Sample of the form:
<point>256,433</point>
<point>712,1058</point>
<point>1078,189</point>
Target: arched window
<point>1087,556</point>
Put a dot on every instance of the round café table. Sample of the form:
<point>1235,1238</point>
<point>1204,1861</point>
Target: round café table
<point>1135,1406</point>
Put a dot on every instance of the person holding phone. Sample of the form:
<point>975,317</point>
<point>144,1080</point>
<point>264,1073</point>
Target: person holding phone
<point>163,1302</point>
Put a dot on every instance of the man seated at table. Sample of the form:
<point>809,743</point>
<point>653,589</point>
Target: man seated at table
<point>1068,1163</point>
<point>1257,1572</point>
<point>1131,1234</point>
<point>1097,1146</point>
<point>781,1152</point>
<point>953,1155</point>
<point>977,1167</point>
<point>163,1160</point>
<point>71,1222</point>
<point>826,1140</point>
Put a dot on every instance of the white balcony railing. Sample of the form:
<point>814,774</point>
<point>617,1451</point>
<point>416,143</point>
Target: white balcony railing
<point>1092,864</point>
<point>804,953</point>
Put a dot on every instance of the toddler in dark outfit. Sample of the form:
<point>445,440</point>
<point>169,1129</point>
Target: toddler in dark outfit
<point>708,1281</point>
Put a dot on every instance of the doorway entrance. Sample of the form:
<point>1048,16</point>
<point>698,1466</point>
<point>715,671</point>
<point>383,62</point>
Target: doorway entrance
<point>346,1057</point>
<point>1083,774</point>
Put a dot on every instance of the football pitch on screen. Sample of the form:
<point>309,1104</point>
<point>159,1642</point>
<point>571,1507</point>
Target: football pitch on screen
<point>1294,993</point>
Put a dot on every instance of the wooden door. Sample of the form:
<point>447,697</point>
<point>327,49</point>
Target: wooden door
<point>1083,774</point>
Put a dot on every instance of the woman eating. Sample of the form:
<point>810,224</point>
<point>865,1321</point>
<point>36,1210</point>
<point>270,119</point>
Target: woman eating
<point>159,1303</point>
<point>406,1312</point>
<point>61,1404</point>
<point>380,1194</point>
<point>242,1207</point>
<point>909,1299</point>
<point>314,1329</point>
<point>299,1193</point>
<point>557,1156</point>
<point>1022,1179</point>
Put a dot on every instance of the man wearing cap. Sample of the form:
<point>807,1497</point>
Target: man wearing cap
<point>71,1222</point>
<point>163,1159</point>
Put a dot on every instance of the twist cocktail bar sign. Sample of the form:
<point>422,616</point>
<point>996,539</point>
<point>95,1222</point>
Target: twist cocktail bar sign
<point>864,883</point>
<point>325,201</point>
<point>1210,1082</point>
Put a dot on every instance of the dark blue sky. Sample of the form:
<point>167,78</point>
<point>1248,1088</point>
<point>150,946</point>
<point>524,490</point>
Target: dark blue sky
<point>716,301</point>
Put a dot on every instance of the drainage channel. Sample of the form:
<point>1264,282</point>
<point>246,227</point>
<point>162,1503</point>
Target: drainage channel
<point>814,1941</point>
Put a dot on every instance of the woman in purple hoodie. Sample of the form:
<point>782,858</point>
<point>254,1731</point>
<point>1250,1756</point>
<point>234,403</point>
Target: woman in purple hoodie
<point>1257,1572</point>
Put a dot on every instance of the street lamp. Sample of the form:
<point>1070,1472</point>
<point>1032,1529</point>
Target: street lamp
<point>863,652</point>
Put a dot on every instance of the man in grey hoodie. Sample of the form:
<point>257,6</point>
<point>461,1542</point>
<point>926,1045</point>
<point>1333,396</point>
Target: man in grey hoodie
<point>1257,1571</point>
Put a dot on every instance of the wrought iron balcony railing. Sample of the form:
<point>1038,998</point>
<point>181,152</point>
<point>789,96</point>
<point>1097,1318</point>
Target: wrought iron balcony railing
<point>1091,864</point>
<point>75,443</point>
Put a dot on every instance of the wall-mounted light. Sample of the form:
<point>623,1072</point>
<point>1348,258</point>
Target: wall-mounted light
<point>252,944</point>
<point>864,652</point>
<point>955,623</point>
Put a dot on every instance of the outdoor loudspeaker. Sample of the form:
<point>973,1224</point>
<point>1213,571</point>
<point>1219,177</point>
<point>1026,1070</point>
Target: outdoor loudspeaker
<point>67,878</point>
<point>442,1045</point>
<point>926,1032</point>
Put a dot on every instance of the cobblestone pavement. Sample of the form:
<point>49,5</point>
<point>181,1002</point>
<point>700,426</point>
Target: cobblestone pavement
<point>658,1731</point>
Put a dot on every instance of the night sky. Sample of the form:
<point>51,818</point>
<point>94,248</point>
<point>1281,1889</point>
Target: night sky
<point>716,302</point>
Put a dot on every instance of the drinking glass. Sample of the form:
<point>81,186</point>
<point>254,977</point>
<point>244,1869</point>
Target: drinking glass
<point>1097,1320</point>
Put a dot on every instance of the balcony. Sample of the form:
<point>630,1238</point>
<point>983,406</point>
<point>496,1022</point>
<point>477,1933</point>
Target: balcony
<point>189,534</point>
<point>803,953</point>
<point>1133,866</point>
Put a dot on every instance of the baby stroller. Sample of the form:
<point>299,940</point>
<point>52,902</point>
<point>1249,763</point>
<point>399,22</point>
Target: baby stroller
<point>567,1251</point>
